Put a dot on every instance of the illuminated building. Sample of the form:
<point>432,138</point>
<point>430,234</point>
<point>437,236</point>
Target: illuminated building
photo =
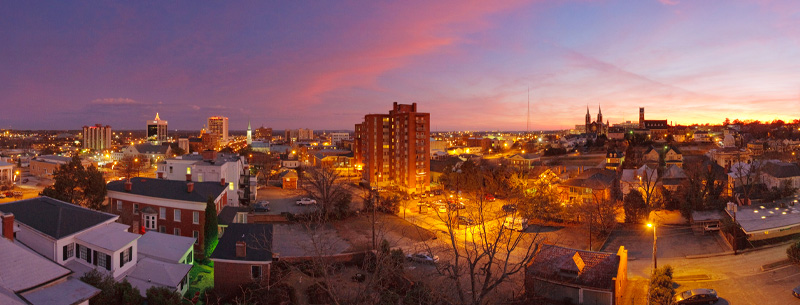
<point>157,131</point>
<point>219,126</point>
<point>394,148</point>
<point>97,137</point>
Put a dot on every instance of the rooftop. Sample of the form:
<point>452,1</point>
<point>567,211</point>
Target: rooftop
<point>169,189</point>
<point>759,218</point>
<point>112,237</point>
<point>72,291</point>
<point>21,268</point>
<point>54,218</point>
<point>150,272</point>
<point>577,267</point>
<point>165,247</point>
<point>257,237</point>
<point>228,214</point>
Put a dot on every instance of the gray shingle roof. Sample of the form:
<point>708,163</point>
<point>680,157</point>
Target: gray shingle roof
<point>149,149</point>
<point>258,238</point>
<point>228,214</point>
<point>781,169</point>
<point>54,218</point>
<point>598,270</point>
<point>169,189</point>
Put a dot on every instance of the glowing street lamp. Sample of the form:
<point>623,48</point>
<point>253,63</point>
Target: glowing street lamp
<point>655,247</point>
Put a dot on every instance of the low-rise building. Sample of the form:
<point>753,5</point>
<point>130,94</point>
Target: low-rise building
<point>83,240</point>
<point>210,166</point>
<point>45,166</point>
<point>6,173</point>
<point>577,276</point>
<point>243,256</point>
<point>166,206</point>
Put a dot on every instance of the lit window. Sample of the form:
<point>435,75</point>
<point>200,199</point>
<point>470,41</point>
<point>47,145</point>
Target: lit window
<point>230,186</point>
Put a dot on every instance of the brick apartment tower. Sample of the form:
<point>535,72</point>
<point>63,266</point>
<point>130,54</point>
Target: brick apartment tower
<point>394,148</point>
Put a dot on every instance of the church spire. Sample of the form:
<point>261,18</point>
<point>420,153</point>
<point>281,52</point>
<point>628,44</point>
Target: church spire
<point>599,115</point>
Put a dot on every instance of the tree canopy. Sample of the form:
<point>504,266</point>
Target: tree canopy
<point>78,185</point>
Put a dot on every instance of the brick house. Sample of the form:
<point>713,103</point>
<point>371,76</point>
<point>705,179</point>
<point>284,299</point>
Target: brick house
<point>166,206</point>
<point>243,256</point>
<point>45,166</point>
<point>577,276</point>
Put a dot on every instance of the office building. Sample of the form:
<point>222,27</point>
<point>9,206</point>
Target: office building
<point>157,131</point>
<point>219,125</point>
<point>393,149</point>
<point>294,135</point>
<point>263,134</point>
<point>97,137</point>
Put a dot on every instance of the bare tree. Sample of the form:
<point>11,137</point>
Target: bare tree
<point>747,176</point>
<point>485,255</point>
<point>326,186</point>
<point>649,182</point>
<point>131,166</point>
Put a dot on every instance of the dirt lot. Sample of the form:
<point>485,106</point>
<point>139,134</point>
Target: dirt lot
<point>400,233</point>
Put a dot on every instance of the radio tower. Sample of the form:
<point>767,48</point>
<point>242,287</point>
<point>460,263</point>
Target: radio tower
<point>528,126</point>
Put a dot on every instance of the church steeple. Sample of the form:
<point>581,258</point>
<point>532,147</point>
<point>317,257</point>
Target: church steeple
<point>599,115</point>
<point>588,116</point>
<point>249,133</point>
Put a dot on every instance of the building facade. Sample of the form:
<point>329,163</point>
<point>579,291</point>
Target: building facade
<point>596,127</point>
<point>157,131</point>
<point>219,125</point>
<point>394,149</point>
<point>97,137</point>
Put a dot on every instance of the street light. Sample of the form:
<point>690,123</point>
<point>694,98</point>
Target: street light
<point>655,248</point>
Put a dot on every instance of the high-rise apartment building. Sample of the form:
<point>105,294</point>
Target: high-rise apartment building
<point>294,135</point>
<point>263,134</point>
<point>219,126</point>
<point>157,131</point>
<point>393,149</point>
<point>97,137</point>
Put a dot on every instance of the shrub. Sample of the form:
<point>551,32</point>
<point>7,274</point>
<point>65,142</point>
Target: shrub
<point>162,296</point>
<point>793,252</point>
<point>661,290</point>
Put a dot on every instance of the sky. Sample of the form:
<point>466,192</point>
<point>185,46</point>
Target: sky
<point>473,65</point>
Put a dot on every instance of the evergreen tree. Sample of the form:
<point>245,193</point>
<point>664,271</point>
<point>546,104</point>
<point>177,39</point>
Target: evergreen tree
<point>78,185</point>
<point>210,226</point>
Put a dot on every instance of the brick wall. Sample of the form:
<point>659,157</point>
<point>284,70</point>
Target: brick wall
<point>228,277</point>
<point>185,224</point>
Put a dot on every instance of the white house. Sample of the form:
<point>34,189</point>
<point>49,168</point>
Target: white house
<point>209,166</point>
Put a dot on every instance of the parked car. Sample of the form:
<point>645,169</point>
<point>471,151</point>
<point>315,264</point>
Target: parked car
<point>796,292</point>
<point>515,223</point>
<point>457,206</point>
<point>423,203</point>
<point>305,201</point>
<point>423,257</point>
<point>415,196</point>
<point>261,206</point>
<point>2,195</point>
<point>510,208</point>
<point>714,226</point>
<point>442,209</point>
<point>488,197</point>
<point>465,221</point>
<point>696,296</point>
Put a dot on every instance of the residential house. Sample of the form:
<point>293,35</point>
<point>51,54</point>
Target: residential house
<point>83,240</point>
<point>725,157</point>
<point>776,174</point>
<point>6,173</point>
<point>243,256</point>
<point>592,184</point>
<point>288,179</point>
<point>577,276</point>
<point>210,166</point>
<point>672,177</point>
<point>523,160</point>
<point>151,152</point>
<point>166,206</point>
<point>45,166</point>
<point>614,159</point>
<point>642,179</point>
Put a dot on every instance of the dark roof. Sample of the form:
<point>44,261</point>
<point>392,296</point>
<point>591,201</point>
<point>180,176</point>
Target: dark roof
<point>54,218</point>
<point>575,267</point>
<point>257,236</point>
<point>169,189</point>
<point>594,178</point>
<point>228,214</point>
<point>781,169</point>
<point>147,148</point>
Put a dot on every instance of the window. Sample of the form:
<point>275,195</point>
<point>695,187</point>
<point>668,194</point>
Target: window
<point>170,169</point>
<point>125,256</point>
<point>195,217</point>
<point>162,213</point>
<point>255,271</point>
<point>177,216</point>
<point>135,209</point>
<point>69,251</point>
<point>196,235</point>
<point>119,205</point>
<point>101,259</point>
<point>177,231</point>
<point>149,222</point>
<point>230,186</point>
<point>82,252</point>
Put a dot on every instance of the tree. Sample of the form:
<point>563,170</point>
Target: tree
<point>485,255</point>
<point>793,252</point>
<point>131,166</point>
<point>177,150</point>
<point>210,226</point>
<point>635,208</point>
<point>159,295</point>
<point>326,186</point>
<point>81,186</point>
<point>111,292</point>
<point>661,291</point>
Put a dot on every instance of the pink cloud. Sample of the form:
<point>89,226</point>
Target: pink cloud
<point>669,2</point>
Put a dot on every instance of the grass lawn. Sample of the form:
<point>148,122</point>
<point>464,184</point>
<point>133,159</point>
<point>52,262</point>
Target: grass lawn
<point>201,276</point>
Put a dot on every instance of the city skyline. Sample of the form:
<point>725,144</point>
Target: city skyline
<point>323,65</point>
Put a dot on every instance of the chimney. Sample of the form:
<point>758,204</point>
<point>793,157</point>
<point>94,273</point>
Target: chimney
<point>128,186</point>
<point>209,155</point>
<point>241,249</point>
<point>190,187</point>
<point>8,226</point>
<point>160,175</point>
<point>188,177</point>
<point>222,181</point>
